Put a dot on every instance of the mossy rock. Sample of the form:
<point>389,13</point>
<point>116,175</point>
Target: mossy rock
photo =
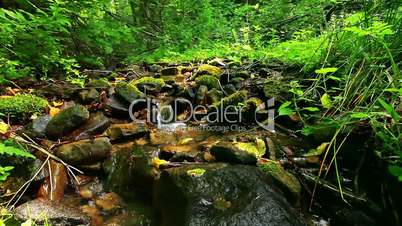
<point>209,69</point>
<point>128,91</point>
<point>214,95</point>
<point>149,84</point>
<point>209,81</point>
<point>234,153</point>
<point>98,83</point>
<point>84,151</point>
<point>66,121</point>
<point>285,180</point>
<point>275,88</point>
<point>22,106</point>
<point>233,99</point>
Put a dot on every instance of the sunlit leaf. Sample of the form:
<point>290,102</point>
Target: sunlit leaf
<point>285,109</point>
<point>54,111</point>
<point>196,172</point>
<point>326,70</point>
<point>318,151</point>
<point>326,101</point>
<point>312,109</point>
<point>360,115</point>
<point>3,127</point>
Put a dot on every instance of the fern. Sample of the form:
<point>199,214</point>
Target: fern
<point>13,151</point>
<point>5,172</point>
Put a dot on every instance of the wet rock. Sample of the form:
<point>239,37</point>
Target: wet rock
<point>229,152</point>
<point>125,131</point>
<point>96,124</point>
<point>155,68</point>
<point>109,202</point>
<point>200,98</point>
<point>209,81</point>
<point>131,170</point>
<point>66,121</point>
<point>137,213</point>
<point>149,84</point>
<point>116,107</point>
<point>159,137</point>
<point>94,214</point>
<point>40,210</point>
<point>220,194</point>
<point>37,128</point>
<point>91,189</point>
<point>89,96</point>
<point>170,71</point>
<point>84,152</point>
<point>285,180</point>
<point>54,185</point>
<point>128,92</point>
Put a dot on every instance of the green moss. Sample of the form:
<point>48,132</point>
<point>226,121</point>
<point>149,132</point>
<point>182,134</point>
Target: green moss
<point>276,88</point>
<point>151,83</point>
<point>233,99</point>
<point>209,81</point>
<point>22,106</point>
<point>285,180</point>
<point>209,69</point>
<point>127,91</point>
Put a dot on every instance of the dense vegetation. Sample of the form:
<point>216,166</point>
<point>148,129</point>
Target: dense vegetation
<point>346,54</point>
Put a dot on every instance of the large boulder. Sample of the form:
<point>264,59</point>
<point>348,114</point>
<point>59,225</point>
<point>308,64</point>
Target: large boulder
<point>41,210</point>
<point>130,169</point>
<point>66,121</point>
<point>84,152</point>
<point>220,194</point>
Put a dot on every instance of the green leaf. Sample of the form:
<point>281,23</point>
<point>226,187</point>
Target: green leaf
<point>326,101</point>
<point>395,171</point>
<point>318,151</point>
<point>360,115</point>
<point>285,109</point>
<point>312,109</point>
<point>334,78</point>
<point>326,70</point>
<point>389,109</point>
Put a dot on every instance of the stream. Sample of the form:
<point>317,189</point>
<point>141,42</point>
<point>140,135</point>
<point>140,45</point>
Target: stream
<point>179,145</point>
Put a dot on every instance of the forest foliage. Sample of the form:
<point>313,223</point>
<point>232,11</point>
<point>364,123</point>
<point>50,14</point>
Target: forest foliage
<point>348,52</point>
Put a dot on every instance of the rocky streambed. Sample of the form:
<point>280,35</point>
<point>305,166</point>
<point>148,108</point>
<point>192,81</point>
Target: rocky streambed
<point>124,151</point>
